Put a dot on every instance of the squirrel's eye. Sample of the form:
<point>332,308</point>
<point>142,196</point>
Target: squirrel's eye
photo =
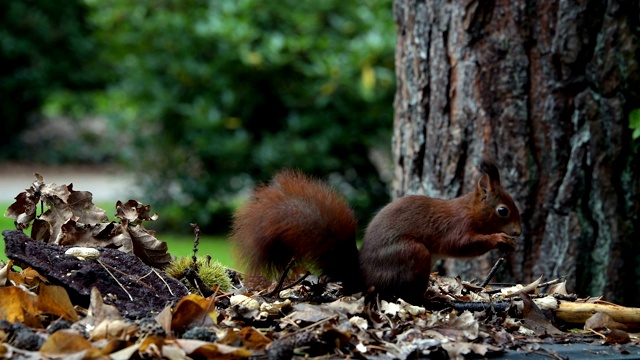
<point>502,211</point>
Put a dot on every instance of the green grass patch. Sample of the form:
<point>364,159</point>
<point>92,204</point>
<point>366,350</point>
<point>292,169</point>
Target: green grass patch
<point>179,244</point>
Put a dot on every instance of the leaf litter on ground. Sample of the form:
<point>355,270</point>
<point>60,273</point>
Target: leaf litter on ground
<point>118,303</point>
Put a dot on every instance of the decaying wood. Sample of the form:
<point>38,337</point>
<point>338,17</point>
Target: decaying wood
<point>120,274</point>
<point>578,312</point>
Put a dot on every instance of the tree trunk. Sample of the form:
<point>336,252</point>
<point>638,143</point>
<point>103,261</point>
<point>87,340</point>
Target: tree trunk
<point>544,88</point>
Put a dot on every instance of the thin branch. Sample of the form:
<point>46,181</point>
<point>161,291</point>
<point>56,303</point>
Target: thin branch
<point>114,278</point>
<point>492,272</point>
<point>283,277</point>
<point>165,283</point>
<point>311,326</point>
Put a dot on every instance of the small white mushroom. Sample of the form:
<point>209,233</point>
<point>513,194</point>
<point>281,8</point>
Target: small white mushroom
<point>83,253</point>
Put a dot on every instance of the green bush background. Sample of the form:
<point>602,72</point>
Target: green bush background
<point>205,99</point>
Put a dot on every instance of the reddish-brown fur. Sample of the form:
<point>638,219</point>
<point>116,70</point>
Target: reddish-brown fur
<point>296,216</point>
<point>408,235</point>
<point>299,217</point>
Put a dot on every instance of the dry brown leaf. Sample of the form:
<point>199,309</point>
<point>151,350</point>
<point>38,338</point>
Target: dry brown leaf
<point>212,351</point>
<point>534,319</point>
<point>151,347</point>
<point>113,329</point>
<point>617,336</point>
<point>87,235</point>
<point>82,207</point>
<point>457,349</point>
<point>466,323</point>
<point>23,210</point>
<point>99,311</point>
<point>19,305</point>
<point>164,319</point>
<point>126,353</point>
<point>71,218</point>
<point>32,277</point>
<point>600,321</point>
<point>53,299</point>
<point>193,310</point>
<point>65,342</point>
<point>253,339</point>
<point>143,242</point>
<point>149,249</point>
<point>4,273</point>
<point>40,230</point>
<point>76,206</point>
<point>309,313</point>
<point>559,288</point>
<point>134,212</point>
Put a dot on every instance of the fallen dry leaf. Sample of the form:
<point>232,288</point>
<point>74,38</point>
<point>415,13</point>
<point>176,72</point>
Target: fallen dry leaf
<point>193,310</point>
<point>19,305</point>
<point>209,350</point>
<point>534,319</point>
<point>253,339</point>
<point>600,321</point>
<point>617,336</point>
<point>65,342</point>
<point>53,299</point>
<point>4,273</point>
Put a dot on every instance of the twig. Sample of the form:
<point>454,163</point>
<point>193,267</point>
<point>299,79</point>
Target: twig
<point>301,279</point>
<point>165,283</point>
<point>138,280</point>
<point>196,242</point>
<point>283,277</point>
<point>550,282</point>
<point>382,314</point>
<point>492,272</point>
<point>311,326</point>
<point>599,334</point>
<point>553,282</point>
<point>114,278</point>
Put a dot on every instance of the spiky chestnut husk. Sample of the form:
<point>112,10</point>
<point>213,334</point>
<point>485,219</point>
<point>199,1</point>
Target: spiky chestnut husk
<point>212,272</point>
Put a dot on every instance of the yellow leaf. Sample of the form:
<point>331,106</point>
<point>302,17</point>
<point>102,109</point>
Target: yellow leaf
<point>193,310</point>
<point>54,300</point>
<point>18,305</point>
<point>65,342</point>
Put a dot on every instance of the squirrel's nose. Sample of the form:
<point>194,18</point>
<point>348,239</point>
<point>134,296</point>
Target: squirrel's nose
<point>515,230</point>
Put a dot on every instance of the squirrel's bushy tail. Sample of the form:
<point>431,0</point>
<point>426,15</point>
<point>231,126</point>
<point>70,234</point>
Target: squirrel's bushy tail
<point>295,216</point>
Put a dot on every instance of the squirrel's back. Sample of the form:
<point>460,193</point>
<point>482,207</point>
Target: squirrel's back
<point>298,217</point>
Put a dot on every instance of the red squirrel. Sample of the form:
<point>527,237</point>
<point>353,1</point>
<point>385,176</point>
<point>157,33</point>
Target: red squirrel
<point>298,217</point>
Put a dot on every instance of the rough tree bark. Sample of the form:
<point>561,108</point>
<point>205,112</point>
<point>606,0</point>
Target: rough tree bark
<point>543,87</point>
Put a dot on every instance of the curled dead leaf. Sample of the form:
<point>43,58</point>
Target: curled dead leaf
<point>601,320</point>
<point>53,299</point>
<point>71,218</point>
<point>193,310</point>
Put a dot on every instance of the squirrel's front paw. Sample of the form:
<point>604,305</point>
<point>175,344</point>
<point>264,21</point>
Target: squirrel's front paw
<point>506,243</point>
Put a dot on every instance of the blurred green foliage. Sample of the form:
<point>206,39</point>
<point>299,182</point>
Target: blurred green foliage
<point>205,99</point>
<point>45,46</point>
<point>634,123</point>
<point>220,94</point>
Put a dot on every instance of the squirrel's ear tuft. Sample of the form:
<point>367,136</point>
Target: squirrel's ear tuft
<point>491,169</point>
